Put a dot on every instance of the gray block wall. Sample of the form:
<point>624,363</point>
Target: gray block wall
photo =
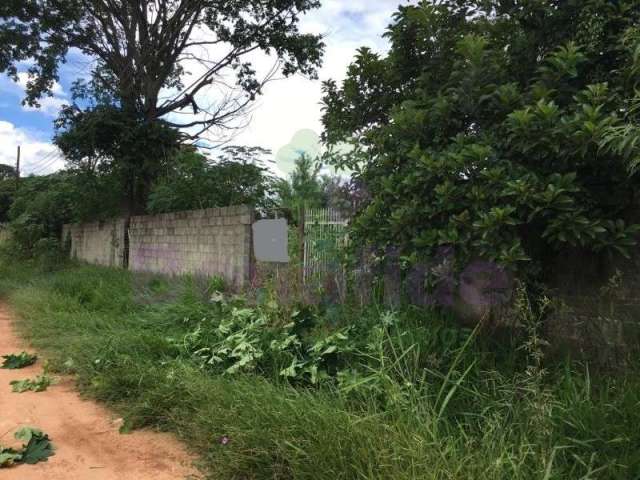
<point>214,241</point>
<point>99,243</point>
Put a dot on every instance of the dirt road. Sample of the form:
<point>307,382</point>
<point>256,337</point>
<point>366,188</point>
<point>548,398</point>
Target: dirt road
<point>85,435</point>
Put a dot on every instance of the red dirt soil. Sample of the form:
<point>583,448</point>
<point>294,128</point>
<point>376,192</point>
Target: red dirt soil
<point>85,435</point>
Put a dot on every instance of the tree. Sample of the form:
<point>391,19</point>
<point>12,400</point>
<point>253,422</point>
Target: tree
<point>105,143</point>
<point>7,190</point>
<point>237,177</point>
<point>502,129</point>
<point>343,194</point>
<point>139,90</point>
<point>303,188</point>
<point>143,47</point>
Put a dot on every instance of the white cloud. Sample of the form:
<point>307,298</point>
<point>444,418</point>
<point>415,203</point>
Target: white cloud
<point>304,141</point>
<point>37,156</point>
<point>290,105</point>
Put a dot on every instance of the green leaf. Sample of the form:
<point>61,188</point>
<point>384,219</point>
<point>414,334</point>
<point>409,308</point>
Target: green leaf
<point>37,446</point>
<point>21,360</point>
<point>39,384</point>
<point>25,434</point>
<point>8,457</point>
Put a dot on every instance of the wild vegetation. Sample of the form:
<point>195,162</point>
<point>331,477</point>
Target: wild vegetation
<point>36,212</point>
<point>498,131</point>
<point>262,391</point>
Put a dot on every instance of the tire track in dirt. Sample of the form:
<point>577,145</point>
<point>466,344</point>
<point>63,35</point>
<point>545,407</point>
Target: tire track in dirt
<point>85,434</point>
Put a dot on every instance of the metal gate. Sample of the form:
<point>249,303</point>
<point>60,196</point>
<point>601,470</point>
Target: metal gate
<point>325,234</point>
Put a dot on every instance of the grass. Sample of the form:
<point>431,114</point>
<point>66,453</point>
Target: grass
<point>451,410</point>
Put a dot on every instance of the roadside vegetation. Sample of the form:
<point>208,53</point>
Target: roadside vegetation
<point>494,133</point>
<point>262,391</point>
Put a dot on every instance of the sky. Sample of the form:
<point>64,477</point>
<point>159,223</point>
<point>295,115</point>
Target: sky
<point>285,119</point>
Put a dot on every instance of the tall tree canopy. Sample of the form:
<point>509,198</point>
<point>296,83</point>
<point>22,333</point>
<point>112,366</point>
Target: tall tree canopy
<point>503,129</point>
<point>141,47</point>
<point>106,141</point>
<point>163,71</point>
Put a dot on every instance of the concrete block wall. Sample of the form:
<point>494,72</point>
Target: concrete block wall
<point>214,241</point>
<point>99,243</point>
<point>4,233</point>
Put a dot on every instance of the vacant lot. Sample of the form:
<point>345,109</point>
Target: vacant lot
<point>441,408</point>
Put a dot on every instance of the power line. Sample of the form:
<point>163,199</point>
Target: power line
<point>38,163</point>
<point>46,166</point>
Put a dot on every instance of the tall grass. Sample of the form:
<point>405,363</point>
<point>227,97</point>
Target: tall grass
<point>435,403</point>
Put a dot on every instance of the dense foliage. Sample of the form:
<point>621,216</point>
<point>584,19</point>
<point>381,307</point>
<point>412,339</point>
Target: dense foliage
<point>504,129</point>
<point>92,190</point>
<point>309,187</point>
<point>238,176</point>
<point>7,191</point>
<point>40,209</point>
<point>42,205</point>
<point>107,142</point>
<point>7,172</point>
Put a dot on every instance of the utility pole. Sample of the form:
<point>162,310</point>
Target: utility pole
<point>18,168</point>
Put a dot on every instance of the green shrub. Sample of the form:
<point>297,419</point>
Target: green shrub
<point>505,138</point>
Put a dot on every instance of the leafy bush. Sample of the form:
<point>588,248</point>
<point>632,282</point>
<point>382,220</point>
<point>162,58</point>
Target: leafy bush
<point>381,356</point>
<point>237,177</point>
<point>505,137</point>
<point>7,191</point>
<point>42,205</point>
